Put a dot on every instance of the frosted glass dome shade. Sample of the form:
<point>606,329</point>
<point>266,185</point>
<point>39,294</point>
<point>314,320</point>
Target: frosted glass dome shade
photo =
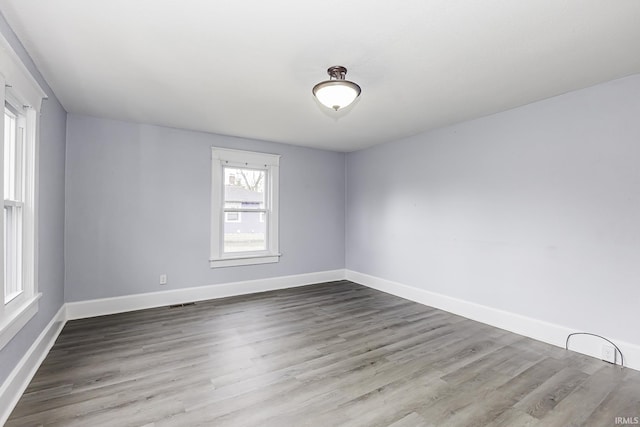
<point>336,94</point>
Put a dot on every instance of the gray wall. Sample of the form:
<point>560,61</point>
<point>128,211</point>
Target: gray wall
<point>50,217</point>
<point>534,211</point>
<point>138,205</point>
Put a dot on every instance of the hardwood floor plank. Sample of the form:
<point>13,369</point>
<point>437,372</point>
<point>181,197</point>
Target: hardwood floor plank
<point>623,401</point>
<point>411,420</point>
<point>551,392</point>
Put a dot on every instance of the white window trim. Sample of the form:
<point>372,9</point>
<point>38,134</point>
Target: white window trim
<point>21,89</point>
<point>228,157</point>
<point>15,320</point>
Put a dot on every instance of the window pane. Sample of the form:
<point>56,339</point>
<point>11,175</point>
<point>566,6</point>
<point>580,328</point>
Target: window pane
<point>249,234</point>
<point>9,154</point>
<point>12,252</point>
<point>244,188</point>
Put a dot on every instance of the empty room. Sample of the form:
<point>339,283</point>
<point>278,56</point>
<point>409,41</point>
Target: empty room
<point>250,213</point>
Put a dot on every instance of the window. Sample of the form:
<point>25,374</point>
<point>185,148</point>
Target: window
<point>14,159</point>
<point>21,98</point>
<point>244,208</point>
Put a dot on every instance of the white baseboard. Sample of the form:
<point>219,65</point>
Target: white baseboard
<point>100,307</point>
<point>522,325</point>
<point>18,380</point>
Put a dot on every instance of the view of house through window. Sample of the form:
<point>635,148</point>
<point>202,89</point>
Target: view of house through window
<point>244,206</point>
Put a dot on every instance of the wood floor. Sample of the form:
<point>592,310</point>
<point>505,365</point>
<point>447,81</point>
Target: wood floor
<point>335,354</point>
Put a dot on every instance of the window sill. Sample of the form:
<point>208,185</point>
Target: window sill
<point>243,260</point>
<point>14,320</point>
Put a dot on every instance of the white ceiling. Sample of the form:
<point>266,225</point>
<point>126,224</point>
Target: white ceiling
<point>246,67</point>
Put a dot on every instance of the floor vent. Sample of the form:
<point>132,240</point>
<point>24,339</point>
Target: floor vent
<point>182,305</point>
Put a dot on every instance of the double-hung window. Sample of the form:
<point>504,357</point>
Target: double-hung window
<point>14,198</point>
<point>20,97</point>
<point>244,208</point>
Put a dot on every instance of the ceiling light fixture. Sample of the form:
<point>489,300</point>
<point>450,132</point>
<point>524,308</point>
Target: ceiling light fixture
<point>336,92</point>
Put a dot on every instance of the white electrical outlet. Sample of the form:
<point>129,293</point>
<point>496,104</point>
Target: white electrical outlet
<point>609,353</point>
<point>163,279</point>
